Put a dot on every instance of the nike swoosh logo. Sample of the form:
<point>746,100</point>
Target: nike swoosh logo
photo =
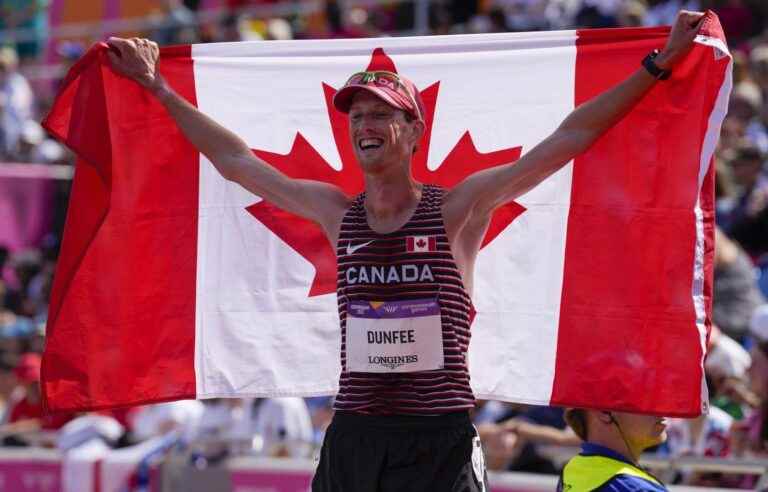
<point>351,249</point>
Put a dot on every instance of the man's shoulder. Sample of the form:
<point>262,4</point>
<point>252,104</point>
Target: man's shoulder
<point>630,483</point>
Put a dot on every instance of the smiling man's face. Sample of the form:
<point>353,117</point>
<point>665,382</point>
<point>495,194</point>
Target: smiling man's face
<point>381,135</point>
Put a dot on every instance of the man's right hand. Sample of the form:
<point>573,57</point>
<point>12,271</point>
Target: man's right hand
<point>136,58</point>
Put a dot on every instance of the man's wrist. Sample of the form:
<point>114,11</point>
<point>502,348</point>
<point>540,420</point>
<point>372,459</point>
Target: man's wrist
<point>161,91</point>
<point>658,71</point>
<point>664,60</point>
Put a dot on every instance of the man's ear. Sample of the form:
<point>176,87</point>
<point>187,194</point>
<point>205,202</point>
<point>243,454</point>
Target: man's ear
<point>418,128</point>
<point>417,131</point>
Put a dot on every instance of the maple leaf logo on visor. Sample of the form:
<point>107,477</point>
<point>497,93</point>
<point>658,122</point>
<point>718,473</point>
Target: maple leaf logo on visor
<point>303,161</point>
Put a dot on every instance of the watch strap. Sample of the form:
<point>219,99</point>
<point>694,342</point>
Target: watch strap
<point>650,65</point>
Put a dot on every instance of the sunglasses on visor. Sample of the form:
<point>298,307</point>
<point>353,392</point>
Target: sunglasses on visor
<point>390,80</point>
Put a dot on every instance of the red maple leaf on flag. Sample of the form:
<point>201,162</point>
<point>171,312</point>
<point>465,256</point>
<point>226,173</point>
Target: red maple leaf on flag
<point>303,161</point>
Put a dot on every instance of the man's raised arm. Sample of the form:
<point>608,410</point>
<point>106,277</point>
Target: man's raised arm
<point>320,202</point>
<point>472,201</point>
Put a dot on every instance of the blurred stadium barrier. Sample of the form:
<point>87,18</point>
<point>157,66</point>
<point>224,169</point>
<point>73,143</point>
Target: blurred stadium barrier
<point>39,470</point>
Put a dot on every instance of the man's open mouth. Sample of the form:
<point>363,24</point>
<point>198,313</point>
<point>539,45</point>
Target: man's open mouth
<point>370,143</point>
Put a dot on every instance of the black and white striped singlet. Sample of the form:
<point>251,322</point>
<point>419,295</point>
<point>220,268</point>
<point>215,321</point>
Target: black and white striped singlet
<point>416,393</point>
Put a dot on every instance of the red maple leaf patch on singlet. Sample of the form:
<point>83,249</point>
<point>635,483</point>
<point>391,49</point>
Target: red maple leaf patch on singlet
<point>304,162</point>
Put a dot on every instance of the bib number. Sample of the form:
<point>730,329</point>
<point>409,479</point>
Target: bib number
<point>397,336</point>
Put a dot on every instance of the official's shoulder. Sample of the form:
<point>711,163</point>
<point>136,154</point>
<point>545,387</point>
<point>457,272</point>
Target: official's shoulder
<point>630,483</point>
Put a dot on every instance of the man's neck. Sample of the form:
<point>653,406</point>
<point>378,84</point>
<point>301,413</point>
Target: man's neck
<point>390,194</point>
<point>616,444</point>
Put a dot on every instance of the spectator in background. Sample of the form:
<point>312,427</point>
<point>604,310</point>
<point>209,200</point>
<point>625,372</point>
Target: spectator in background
<point>497,21</point>
<point>737,19</point>
<point>38,288</point>
<point>747,106</point>
<point>758,64</point>
<point>535,425</point>
<point>321,413</point>
<point>26,416</point>
<point>16,102</point>
<point>500,446</point>
<point>597,13</point>
<point>37,337</point>
<point>747,221</point>
<point>32,135</point>
<point>28,267</point>
<point>348,23</point>
<point>225,426</point>
<point>285,427</point>
<point>534,15</point>
<point>30,17</point>
<point>9,296</point>
<point>229,30</point>
<point>663,12</point>
<point>708,435</point>
<point>160,419</point>
<point>756,425</point>
<point>69,52</point>
<point>440,19</point>
<point>735,293</point>
<point>10,391</point>
<point>741,68</point>
<point>511,443</point>
<point>750,436</point>
<point>36,147</point>
<point>176,24</point>
<point>15,331</point>
<point>726,368</point>
<point>632,13</point>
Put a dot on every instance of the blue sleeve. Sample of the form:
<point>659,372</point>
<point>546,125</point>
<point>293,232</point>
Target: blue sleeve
<point>629,483</point>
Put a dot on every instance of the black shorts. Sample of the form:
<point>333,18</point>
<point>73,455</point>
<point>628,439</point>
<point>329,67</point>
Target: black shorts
<point>399,453</point>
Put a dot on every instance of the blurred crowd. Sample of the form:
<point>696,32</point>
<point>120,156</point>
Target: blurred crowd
<point>516,437</point>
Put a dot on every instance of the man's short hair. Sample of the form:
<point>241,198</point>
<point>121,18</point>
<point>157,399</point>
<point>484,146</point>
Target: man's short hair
<point>576,418</point>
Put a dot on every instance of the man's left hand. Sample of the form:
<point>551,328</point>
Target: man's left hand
<point>681,38</point>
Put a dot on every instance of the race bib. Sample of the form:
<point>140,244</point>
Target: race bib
<point>397,336</point>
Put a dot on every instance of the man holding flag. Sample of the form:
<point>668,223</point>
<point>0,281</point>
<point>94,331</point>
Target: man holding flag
<point>406,253</point>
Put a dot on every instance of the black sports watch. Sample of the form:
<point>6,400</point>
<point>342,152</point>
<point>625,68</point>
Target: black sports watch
<point>650,65</point>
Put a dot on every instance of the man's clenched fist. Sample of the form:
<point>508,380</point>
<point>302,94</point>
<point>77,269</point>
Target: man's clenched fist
<point>136,58</point>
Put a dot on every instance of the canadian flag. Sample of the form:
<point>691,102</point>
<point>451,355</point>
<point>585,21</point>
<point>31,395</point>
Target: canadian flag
<point>591,290</point>
<point>420,244</point>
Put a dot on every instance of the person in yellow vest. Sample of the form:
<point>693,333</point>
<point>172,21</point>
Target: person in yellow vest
<point>613,442</point>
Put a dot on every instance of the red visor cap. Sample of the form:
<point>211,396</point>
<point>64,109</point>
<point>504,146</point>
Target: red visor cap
<point>396,97</point>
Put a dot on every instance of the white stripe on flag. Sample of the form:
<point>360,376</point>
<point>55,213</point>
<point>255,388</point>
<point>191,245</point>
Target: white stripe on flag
<point>506,90</point>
